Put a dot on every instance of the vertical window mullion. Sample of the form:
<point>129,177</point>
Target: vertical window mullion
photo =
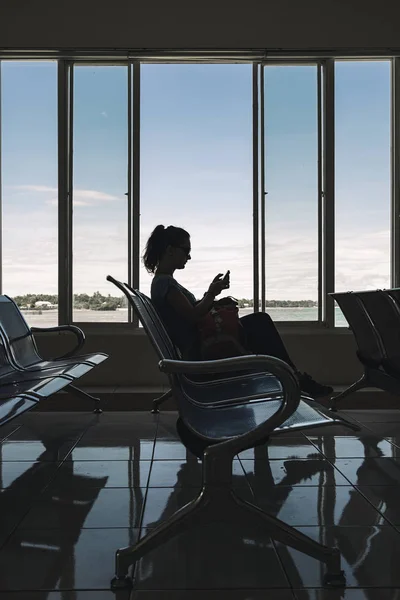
<point>321,295</point>
<point>136,173</point>
<point>65,109</point>
<point>129,183</point>
<point>1,203</point>
<point>395,173</point>
<point>263,192</point>
<point>134,182</point>
<point>256,186</point>
<point>328,217</point>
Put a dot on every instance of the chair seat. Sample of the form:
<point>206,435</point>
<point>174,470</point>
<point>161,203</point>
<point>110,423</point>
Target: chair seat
<point>219,423</point>
<point>226,390</point>
<point>12,407</point>
<point>92,359</point>
<point>39,387</point>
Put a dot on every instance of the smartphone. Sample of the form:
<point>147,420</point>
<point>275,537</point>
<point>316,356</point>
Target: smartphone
<point>226,276</point>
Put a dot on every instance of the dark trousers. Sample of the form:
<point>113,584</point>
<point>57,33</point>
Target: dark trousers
<point>262,337</point>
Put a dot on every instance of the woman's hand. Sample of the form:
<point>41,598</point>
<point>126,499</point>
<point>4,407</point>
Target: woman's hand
<point>218,284</point>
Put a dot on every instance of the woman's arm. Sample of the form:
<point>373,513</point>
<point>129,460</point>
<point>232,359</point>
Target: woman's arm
<point>191,313</point>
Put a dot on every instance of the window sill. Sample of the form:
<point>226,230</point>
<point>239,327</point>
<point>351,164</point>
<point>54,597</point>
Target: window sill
<point>129,329</point>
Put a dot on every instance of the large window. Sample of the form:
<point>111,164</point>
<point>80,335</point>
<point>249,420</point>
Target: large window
<point>291,142</point>
<point>196,168</point>
<point>362,167</point>
<point>260,163</point>
<point>29,187</point>
<point>100,179</point>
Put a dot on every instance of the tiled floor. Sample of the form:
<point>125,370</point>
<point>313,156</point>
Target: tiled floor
<point>74,487</point>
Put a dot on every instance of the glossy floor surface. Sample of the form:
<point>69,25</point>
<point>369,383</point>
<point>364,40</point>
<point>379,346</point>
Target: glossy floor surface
<point>77,486</point>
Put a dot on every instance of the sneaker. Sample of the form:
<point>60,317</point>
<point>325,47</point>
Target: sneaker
<point>312,387</point>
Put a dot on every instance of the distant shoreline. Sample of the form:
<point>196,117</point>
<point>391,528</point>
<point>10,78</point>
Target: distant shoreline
<point>49,317</point>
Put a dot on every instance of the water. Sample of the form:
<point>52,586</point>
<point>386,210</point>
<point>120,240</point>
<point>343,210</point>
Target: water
<point>49,318</point>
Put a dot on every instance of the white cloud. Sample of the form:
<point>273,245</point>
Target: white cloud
<point>54,202</point>
<point>81,197</point>
<point>93,195</point>
<point>34,188</point>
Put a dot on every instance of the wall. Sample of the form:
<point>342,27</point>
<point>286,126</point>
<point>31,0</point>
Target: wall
<point>287,24</point>
<point>329,357</point>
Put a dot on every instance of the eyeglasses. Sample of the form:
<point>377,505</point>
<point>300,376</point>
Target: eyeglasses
<point>185,249</point>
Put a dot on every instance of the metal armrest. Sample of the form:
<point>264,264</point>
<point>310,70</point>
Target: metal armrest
<point>275,366</point>
<point>253,362</point>
<point>77,331</point>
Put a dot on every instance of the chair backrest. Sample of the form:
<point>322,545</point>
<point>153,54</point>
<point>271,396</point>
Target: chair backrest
<point>370,347</point>
<point>394,293</point>
<point>17,334</point>
<point>158,324</point>
<point>6,367</point>
<point>150,320</point>
<point>385,314</point>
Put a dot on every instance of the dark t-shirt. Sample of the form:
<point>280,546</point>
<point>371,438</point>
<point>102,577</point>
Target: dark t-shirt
<point>182,333</point>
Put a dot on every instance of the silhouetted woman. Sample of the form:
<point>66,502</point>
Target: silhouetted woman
<point>167,250</point>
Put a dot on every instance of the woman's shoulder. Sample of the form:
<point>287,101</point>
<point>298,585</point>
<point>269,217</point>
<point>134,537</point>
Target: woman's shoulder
<point>162,280</point>
<point>162,283</point>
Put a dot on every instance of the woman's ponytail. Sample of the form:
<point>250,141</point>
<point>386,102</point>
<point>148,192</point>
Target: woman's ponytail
<point>155,248</point>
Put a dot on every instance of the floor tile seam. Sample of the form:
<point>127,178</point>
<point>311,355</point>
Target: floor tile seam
<point>282,565</point>
<point>304,459</point>
<point>246,477</point>
<point>143,507</point>
<point>379,435</point>
<point>155,436</point>
<point>316,447</point>
<point>365,423</point>
<point>211,589</point>
<point>68,529</point>
<point>387,439</point>
<point>397,528</point>
<point>18,427</point>
<point>377,510</point>
<point>284,487</point>
<point>354,486</point>
<point>197,486</point>
<point>131,594</point>
<point>330,461</point>
<point>17,525</point>
<point>91,460</point>
<point>151,460</point>
<point>110,487</point>
<point>66,457</point>
<point>241,588</point>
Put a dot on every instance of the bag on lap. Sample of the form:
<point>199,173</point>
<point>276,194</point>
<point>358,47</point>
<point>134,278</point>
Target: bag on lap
<point>221,334</point>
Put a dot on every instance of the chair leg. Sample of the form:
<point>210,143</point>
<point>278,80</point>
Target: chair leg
<point>293,538</point>
<point>193,513</point>
<point>358,385</point>
<point>221,504</point>
<point>160,400</point>
<point>81,394</point>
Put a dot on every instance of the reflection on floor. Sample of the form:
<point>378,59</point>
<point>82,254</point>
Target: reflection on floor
<point>74,487</point>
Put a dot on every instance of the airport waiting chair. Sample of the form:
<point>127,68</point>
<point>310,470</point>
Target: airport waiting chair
<point>225,421</point>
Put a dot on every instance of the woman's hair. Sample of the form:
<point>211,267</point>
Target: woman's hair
<point>160,239</point>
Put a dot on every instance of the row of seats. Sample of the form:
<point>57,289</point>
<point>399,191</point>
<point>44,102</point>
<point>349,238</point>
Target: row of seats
<point>25,377</point>
<point>374,319</point>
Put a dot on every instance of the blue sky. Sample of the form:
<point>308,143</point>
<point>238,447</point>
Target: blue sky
<point>196,172</point>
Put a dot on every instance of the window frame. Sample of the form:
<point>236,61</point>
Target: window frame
<point>324,190</point>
